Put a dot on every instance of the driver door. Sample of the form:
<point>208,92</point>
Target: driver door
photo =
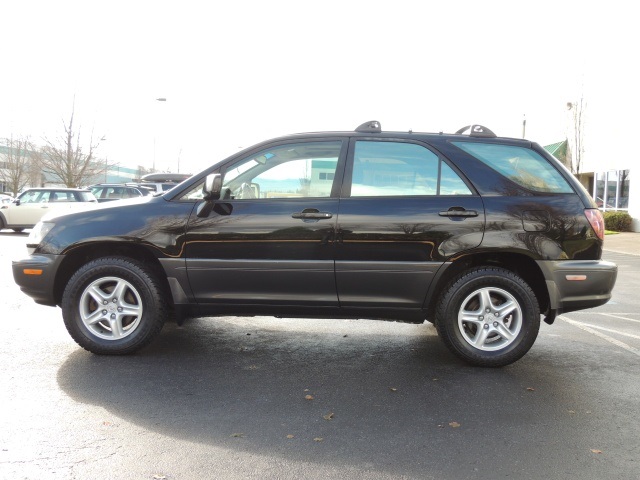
<point>270,238</point>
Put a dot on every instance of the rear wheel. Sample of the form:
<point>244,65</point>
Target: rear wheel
<point>488,316</point>
<point>114,305</point>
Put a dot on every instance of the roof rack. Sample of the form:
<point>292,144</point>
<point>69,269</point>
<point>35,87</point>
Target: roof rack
<point>164,177</point>
<point>477,131</point>
<point>372,126</point>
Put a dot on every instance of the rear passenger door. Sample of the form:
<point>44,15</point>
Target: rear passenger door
<point>403,211</point>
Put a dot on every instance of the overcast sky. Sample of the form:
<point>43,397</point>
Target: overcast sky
<point>235,73</point>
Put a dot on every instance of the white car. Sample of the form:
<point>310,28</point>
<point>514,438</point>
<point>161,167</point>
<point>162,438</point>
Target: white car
<point>4,198</point>
<point>32,204</point>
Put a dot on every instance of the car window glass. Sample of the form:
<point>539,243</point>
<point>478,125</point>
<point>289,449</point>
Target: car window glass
<point>195,193</point>
<point>520,165</point>
<point>284,171</point>
<point>84,196</point>
<point>450,182</point>
<point>32,196</point>
<point>400,169</point>
<point>64,197</point>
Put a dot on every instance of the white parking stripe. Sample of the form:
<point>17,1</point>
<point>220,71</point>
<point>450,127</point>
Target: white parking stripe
<point>612,315</point>
<point>598,327</point>
<point>621,318</point>
<point>609,339</point>
<point>588,312</point>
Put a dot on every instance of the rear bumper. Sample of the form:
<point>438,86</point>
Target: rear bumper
<point>578,284</point>
<point>35,275</point>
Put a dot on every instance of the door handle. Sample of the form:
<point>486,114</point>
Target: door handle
<point>311,214</point>
<point>458,212</point>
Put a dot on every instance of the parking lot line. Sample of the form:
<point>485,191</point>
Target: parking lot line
<point>604,329</point>
<point>601,335</point>
<point>621,318</point>
<point>611,315</point>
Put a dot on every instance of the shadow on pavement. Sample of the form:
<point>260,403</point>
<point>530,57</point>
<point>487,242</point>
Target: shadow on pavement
<point>388,398</point>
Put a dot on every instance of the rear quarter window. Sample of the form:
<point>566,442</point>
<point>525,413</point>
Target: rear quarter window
<point>84,197</point>
<point>520,165</point>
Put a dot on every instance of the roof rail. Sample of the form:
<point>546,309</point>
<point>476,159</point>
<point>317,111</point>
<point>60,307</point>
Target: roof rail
<point>372,126</point>
<point>477,131</point>
<point>164,177</point>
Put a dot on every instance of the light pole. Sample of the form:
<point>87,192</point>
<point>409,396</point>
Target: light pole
<point>159,99</point>
<point>106,161</point>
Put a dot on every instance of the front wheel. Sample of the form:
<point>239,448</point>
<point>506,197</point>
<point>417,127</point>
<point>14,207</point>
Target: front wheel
<point>113,305</point>
<point>488,316</point>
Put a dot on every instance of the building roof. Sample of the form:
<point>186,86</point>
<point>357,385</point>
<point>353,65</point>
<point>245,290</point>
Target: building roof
<point>557,149</point>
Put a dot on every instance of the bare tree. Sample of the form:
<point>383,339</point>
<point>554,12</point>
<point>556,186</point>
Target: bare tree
<point>66,160</point>
<point>18,163</point>
<point>142,171</point>
<point>576,139</point>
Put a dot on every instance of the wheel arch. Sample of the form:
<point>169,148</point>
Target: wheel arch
<point>522,265</point>
<point>81,255</point>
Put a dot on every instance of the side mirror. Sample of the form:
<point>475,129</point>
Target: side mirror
<point>212,187</point>
<point>210,193</point>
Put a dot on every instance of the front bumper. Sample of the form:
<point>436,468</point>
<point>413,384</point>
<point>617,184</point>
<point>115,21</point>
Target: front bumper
<point>578,284</point>
<point>35,275</point>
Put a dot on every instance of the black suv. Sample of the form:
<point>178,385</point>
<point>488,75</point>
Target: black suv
<point>478,234</point>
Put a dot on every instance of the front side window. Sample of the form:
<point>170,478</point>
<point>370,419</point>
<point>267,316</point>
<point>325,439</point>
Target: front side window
<point>34,196</point>
<point>284,171</point>
<point>401,169</point>
<point>520,165</point>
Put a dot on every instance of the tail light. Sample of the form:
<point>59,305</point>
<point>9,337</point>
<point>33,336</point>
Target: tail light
<point>596,220</point>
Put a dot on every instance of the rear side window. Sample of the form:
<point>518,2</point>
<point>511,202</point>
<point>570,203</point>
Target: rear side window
<point>62,197</point>
<point>401,169</point>
<point>520,165</point>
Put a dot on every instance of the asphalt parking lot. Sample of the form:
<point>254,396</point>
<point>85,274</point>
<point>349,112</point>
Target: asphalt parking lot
<point>297,398</point>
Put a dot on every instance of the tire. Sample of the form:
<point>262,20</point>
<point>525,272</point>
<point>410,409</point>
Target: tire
<point>17,230</point>
<point>114,306</point>
<point>488,316</point>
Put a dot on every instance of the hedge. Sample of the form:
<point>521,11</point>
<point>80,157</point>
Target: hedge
<point>617,221</point>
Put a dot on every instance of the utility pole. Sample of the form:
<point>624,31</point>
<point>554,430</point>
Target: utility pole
<point>160,99</point>
<point>524,125</point>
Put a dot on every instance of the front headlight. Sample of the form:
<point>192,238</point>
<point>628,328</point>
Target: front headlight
<point>37,234</point>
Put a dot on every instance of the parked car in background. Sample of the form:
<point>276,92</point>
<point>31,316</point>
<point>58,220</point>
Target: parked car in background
<point>32,204</point>
<point>158,187</point>
<point>162,182</point>
<point>4,198</point>
<point>107,192</point>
